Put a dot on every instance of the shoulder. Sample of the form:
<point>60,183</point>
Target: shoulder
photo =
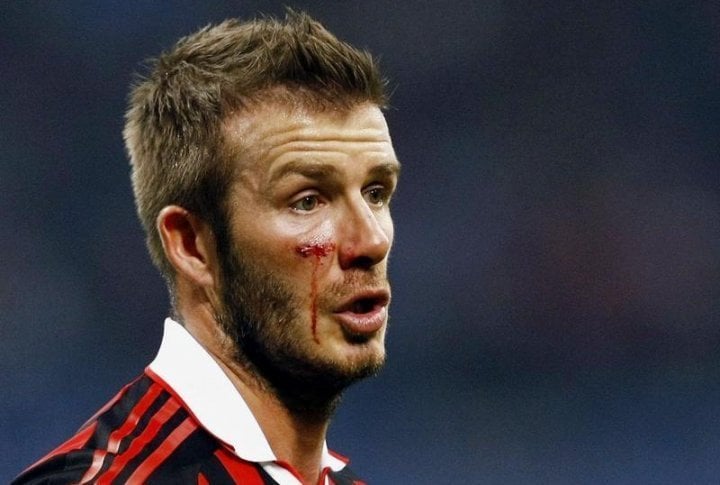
<point>143,434</point>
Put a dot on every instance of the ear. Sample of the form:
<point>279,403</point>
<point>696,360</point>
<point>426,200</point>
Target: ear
<point>189,244</point>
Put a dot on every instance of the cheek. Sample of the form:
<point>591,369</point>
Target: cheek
<point>316,241</point>
<point>316,249</point>
<point>291,247</point>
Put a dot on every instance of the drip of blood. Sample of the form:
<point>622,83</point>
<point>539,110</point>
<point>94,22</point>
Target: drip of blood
<point>319,250</point>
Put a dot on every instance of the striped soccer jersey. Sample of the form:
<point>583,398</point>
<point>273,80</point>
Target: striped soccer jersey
<point>155,432</point>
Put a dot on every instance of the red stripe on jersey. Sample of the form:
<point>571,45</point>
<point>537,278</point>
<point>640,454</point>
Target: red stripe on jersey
<point>124,430</point>
<point>323,475</point>
<point>241,471</point>
<point>74,443</point>
<point>111,402</point>
<point>132,420</point>
<point>136,446</point>
<point>202,480</point>
<point>343,459</point>
<point>95,466</point>
<point>169,389</point>
<point>161,453</point>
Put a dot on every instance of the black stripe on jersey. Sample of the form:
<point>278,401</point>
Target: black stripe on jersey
<point>194,456</point>
<point>267,479</point>
<point>118,413</point>
<point>177,418</point>
<point>61,469</point>
<point>197,455</point>
<point>71,466</point>
<point>189,459</point>
<point>215,472</point>
<point>159,401</point>
<point>145,420</point>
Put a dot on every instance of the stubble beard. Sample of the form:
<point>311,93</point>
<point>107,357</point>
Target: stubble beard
<point>262,319</point>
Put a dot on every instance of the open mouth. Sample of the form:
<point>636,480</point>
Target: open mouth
<point>365,314</point>
<point>367,302</point>
<point>364,305</point>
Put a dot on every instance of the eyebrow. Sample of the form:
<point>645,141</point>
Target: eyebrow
<point>309,169</point>
<point>387,169</point>
<point>323,170</point>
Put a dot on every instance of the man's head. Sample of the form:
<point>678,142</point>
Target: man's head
<point>263,170</point>
<point>173,129</point>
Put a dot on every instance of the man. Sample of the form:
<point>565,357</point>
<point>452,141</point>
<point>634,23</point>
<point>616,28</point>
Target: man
<point>262,171</point>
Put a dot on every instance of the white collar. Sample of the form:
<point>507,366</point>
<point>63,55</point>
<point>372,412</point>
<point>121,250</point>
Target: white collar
<point>212,398</point>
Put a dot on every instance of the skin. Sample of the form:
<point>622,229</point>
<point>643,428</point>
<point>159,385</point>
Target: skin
<point>309,213</point>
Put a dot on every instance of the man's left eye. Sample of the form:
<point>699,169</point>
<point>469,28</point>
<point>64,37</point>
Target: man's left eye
<point>376,196</point>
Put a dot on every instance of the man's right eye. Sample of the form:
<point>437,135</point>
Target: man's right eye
<point>306,204</point>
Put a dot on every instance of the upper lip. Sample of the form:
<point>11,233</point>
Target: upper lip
<point>376,298</point>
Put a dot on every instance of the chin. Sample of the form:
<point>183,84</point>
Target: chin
<point>312,381</point>
<point>358,355</point>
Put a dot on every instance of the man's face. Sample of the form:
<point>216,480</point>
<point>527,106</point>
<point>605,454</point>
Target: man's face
<point>305,285</point>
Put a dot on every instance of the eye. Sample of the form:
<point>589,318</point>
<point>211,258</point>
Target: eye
<point>306,204</point>
<point>376,195</point>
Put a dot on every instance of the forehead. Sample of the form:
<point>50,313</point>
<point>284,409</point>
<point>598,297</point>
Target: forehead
<point>266,131</point>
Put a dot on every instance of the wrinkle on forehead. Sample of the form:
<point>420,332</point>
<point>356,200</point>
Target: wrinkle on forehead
<point>255,132</point>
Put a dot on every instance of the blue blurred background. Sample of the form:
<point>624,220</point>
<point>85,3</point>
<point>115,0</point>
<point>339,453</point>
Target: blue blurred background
<point>557,265</point>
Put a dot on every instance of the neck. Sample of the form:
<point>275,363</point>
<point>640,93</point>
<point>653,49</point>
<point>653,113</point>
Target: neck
<point>296,437</point>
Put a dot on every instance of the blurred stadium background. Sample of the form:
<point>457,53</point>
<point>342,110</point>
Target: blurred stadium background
<point>556,314</point>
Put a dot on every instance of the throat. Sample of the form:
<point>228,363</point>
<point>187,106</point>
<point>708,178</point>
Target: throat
<point>296,437</point>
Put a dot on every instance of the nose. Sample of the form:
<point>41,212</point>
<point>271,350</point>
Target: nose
<point>365,236</point>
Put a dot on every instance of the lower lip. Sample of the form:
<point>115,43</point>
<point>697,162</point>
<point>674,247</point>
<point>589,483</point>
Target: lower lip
<point>363,323</point>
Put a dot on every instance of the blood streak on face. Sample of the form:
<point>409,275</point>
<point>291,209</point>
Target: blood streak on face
<point>319,251</point>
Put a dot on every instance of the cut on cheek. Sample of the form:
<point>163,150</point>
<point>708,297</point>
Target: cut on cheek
<point>317,251</point>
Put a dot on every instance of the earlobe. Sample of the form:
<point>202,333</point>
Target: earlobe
<point>188,243</point>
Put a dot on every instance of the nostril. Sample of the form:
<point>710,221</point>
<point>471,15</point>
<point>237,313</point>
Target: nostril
<point>362,262</point>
